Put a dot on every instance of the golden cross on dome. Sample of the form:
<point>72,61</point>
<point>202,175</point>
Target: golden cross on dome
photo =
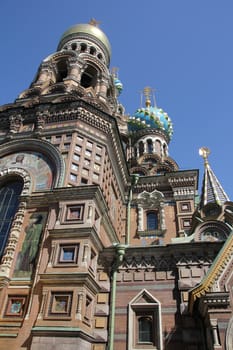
<point>94,22</point>
<point>148,91</point>
<point>204,153</point>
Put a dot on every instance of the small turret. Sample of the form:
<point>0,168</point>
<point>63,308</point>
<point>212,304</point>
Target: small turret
<point>150,130</point>
<point>212,191</point>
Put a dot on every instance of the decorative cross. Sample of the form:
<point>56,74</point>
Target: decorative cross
<point>94,22</point>
<point>204,153</point>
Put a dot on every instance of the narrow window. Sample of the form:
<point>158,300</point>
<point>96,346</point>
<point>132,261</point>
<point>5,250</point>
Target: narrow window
<point>158,147</point>
<point>73,46</point>
<point>145,330</point>
<point>9,201</point>
<point>83,47</point>
<point>149,146</point>
<point>92,50</point>
<point>62,70</point>
<point>152,221</point>
<point>141,148</point>
<point>165,150</point>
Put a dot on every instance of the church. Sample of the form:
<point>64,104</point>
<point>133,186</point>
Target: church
<point>105,243</point>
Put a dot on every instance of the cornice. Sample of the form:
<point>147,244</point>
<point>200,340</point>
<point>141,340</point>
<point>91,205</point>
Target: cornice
<point>83,232</point>
<point>137,135</point>
<point>75,278</point>
<point>167,257</point>
<point>171,181</point>
<point>63,331</point>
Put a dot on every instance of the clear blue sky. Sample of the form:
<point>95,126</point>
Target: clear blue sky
<point>182,48</point>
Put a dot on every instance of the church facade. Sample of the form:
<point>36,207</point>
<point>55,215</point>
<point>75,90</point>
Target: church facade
<point>105,244</point>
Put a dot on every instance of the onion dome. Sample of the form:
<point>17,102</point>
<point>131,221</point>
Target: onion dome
<point>118,85</point>
<point>150,117</point>
<point>85,31</point>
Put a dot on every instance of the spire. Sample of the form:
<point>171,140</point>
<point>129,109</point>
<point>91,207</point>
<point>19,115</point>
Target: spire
<point>212,191</point>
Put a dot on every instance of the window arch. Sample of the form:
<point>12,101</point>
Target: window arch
<point>10,191</point>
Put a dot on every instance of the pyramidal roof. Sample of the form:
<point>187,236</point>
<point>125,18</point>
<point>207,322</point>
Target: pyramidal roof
<point>212,191</point>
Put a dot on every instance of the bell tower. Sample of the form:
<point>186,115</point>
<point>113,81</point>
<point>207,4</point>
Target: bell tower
<point>79,68</point>
<point>62,183</point>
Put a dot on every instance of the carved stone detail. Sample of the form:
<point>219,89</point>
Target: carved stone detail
<point>16,122</point>
<point>16,227</point>
<point>10,249</point>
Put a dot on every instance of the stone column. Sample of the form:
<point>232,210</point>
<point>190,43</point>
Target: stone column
<point>162,216</point>
<point>10,249</point>
<point>79,306</point>
<point>214,325</point>
<point>140,218</point>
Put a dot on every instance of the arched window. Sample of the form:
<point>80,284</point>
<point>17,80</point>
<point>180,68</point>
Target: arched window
<point>74,46</point>
<point>89,77</point>
<point>158,147</point>
<point>92,50</point>
<point>141,148</point>
<point>149,146</point>
<point>62,70</point>
<point>152,220</point>
<point>83,47</point>
<point>9,201</point>
<point>145,334</point>
<point>165,149</point>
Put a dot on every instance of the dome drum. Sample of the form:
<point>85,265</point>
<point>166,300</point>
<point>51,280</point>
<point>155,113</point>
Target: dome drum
<point>86,34</point>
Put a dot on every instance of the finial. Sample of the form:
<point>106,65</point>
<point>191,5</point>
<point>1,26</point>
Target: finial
<point>115,72</point>
<point>94,22</point>
<point>147,93</point>
<point>204,153</point>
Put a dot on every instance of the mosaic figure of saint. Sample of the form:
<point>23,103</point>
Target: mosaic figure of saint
<point>30,245</point>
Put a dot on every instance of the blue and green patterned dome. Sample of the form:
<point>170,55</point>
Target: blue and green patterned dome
<point>150,117</point>
<point>118,85</point>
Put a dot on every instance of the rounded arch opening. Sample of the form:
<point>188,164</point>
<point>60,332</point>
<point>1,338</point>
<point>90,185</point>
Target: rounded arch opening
<point>41,151</point>
<point>89,77</point>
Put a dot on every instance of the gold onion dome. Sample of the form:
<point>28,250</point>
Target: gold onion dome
<point>82,30</point>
